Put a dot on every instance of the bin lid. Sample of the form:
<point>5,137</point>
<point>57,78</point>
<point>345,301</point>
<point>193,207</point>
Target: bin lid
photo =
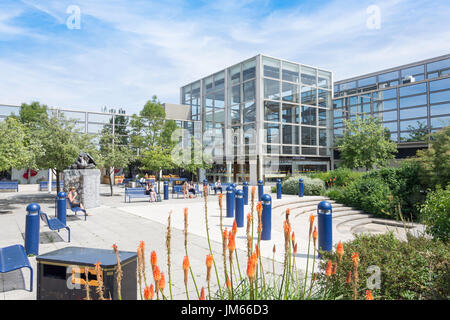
<point>86,256</point>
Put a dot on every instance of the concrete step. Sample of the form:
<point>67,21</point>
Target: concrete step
<point>338,212</point>
<point>302,200</point>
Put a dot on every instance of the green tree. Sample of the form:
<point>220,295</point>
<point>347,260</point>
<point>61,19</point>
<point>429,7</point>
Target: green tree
<point>113,154</point>
<point>435,161</point>
<point>61,144</point>
<point>17,150</point>
<point>152,136</point>
<point>32,113</point>
<point>365,144</point>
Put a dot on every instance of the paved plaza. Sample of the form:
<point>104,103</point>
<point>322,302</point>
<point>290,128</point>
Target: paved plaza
<point>126,224</point>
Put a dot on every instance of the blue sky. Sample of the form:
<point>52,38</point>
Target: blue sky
<point>128,50</point>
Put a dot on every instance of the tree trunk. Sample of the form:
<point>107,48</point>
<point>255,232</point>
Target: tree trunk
<point>111,177</point>
<point>58,187</point>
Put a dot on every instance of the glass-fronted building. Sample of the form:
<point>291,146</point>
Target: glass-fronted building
<point>263,118</point>
<point>411,101</point>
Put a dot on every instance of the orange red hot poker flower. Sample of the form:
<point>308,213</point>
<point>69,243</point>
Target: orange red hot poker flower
<point>149,292</point>
<point>340,250</point>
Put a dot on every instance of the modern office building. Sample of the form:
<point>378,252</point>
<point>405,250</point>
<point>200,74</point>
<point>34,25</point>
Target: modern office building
<point>411,100</point>
<point>262,118</point>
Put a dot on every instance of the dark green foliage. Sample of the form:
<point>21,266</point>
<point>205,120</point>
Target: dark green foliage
<point>404,184</point>
<point>435,213</point>
<point>370,194</point>
<point>413,269</point>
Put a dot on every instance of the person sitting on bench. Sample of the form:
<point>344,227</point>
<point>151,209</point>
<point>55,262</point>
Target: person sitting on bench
<point>150,191</point>
<point>72,196</point>
<point>218,186</point>
<point>192,189</point>
<point>185,189</point>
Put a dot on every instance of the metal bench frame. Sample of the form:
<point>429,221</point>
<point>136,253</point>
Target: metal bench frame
<point>54,223</point>
<point>76,209</point>
<point>13,258</point>
<point>137,193</point>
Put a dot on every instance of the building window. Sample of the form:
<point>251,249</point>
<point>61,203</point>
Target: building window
<point>271,67</point>
<point>438,97</point>
<point>308,76</point>
<point>271,89</point>
<point>309,115</point>
<point>309,136</point>
<point>413,101</point>
<point>440,84</point>
<point>413,89</point>
<point>249,70</point>
<point>290,113</point>
<point>271,111</point>
<point>290,72</point>
<point>308,95</point>
<point>289,92</point>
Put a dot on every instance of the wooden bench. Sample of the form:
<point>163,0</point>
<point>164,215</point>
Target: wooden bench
<point>9,185</point>
<point>136,193</point>
<point>54,223</point>
<point>13,258</point>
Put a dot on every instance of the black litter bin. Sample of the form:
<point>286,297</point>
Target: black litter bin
<point>61,274</point>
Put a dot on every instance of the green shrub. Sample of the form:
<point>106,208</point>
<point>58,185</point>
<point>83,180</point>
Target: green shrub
<point>333,193</point>
<point>413,269</point>
<point>311,187</point>
<point>342,176</point>
<point>372,195</point>
<point>435,213</point>
<point>404,185</point>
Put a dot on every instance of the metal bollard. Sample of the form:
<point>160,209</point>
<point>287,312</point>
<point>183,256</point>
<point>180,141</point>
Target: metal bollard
<point>61,207</point>
<point>300,187</point>
<point>166,190</point>
<point>260,189</point>
<point>278,188</point>
<point>32,229</point>
<point>266,217</point>
<point>245,191</point>
<point>230,202</point>
<point>324,215</point>
<point>239,204</point>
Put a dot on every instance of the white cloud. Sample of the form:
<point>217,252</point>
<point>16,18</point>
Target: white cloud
<point>124,54</point>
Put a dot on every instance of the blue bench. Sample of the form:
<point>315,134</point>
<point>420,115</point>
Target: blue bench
<point>43,185</point>
<point>54,223</point>
<point>177,189</point>
<point>13,258</point>
<point>135,193</point>
<point>9,185</point>
<point>124,181</point>
<point>77,209</point>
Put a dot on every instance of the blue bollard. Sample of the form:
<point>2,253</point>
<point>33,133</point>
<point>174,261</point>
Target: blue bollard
<point>166,190</point>
<point>245,191</point>
<point>266,217</point>
<point>32,229</point>
<point>239,204</point>
<point>278,188</point>
<point>61,207</point>
<point>230,202</point>
<point>300,187</point>
<point>324,214</point>
<point>260,189</point>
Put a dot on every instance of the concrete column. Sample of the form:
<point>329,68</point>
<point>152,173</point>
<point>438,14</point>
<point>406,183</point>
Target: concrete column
<point>229,173</point>
<point>253,173</point>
